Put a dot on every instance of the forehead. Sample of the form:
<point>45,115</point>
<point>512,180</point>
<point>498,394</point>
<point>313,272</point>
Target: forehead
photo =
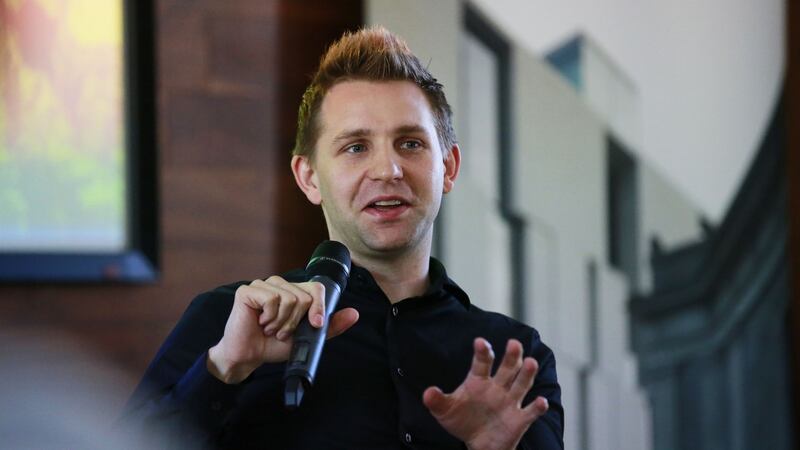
<point>374,105</point>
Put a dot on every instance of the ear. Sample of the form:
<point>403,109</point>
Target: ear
<point>452,164</point>
<point>306,178</point>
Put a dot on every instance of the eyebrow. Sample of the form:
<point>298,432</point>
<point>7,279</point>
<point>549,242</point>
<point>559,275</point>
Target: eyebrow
<point>365,132</point>
<point>410,129</point>
<point>350,134</point>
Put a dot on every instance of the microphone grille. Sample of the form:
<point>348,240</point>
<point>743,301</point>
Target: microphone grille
<point>331,258</point>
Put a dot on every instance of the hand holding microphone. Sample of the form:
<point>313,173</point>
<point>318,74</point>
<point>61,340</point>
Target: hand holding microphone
<point>261,326</point>
<point>330,266</point>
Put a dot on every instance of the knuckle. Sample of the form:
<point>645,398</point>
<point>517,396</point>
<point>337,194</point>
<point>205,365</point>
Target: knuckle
<point>270,297</point>
<point>242,292</point>
<point>319,289</point>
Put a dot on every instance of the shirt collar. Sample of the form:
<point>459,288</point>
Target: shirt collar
<point>440,284</point>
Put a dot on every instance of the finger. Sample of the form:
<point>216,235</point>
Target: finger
<point>269,303</point>
<point>271,282</point>
<point>299,290</point>
<point>536,409</point>
<point>299,308</point>
<point>285,308</point>
<point>262,301</point>
<point>436,401</point>
<point>524,381</point>
<point>268,312</point>
<point>483,358</point>
<point>341,321</point>
<point>316,313</point>
<point>253,297</point>
<point>260,295</point>
<point>297,314</point>
<point>512,362</point>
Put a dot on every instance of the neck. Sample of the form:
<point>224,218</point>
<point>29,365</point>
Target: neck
<point>399,276</point>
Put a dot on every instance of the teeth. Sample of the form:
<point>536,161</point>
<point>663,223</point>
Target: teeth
<point>387,203</point>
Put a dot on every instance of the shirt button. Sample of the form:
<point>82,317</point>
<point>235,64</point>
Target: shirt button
<point>408,438</point>
<point>400,372</point>
<point>395,311</point>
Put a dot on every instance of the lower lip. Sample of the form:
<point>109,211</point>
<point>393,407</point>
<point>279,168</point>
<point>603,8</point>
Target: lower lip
<point>387,213</point>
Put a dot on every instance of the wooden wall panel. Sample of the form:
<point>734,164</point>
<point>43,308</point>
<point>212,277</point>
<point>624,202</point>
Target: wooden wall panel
<point>219,129</point>
<point>230,77</point>
<point>297,23</point>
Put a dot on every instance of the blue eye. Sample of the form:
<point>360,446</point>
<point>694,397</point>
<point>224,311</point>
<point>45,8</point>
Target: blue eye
<point>355,148</point>
<point>410,145</point>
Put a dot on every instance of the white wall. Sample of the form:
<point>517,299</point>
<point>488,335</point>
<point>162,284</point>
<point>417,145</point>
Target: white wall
<point>611,93</point>
<point>664,210</point>
<point>431,29</point>
<point>560,170</point>
<point>472,220</point>
<point>708,74</point>
<point>561,154</point>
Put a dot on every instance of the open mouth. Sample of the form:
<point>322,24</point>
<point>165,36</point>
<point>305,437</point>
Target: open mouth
<point>386,205</point>
<point>387,209</point>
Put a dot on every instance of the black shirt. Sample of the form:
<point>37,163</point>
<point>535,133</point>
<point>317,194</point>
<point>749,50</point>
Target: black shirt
<point>368,389</point>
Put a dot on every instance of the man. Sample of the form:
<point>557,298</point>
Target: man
<point>376,150</point>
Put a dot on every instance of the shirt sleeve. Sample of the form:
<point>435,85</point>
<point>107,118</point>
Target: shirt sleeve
<point>178,399</point>
<point>547,432</point>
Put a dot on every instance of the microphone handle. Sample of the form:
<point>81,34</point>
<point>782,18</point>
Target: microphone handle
<point>307,347</point>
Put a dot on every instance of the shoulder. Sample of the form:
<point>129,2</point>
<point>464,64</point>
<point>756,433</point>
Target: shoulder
<point>500,324</point>
<point>499,328</point>
<point>219,299</point>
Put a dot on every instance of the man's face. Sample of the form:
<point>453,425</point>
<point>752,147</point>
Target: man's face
<point>378,170</point>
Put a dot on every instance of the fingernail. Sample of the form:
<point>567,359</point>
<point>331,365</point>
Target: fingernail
<point>269,332</point>
<point>318,319</point>
<point>281,335</point>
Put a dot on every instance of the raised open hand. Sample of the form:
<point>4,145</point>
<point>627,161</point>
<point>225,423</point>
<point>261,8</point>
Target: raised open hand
<point>485,411</point>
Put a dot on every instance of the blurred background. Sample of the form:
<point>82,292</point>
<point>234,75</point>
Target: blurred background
<point>627,189</point>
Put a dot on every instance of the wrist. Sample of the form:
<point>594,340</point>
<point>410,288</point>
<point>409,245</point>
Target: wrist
<point>483,444</point>
<point>223,369</point>
<point>479,447</point>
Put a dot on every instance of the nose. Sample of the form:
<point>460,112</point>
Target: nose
<point>385,165</point>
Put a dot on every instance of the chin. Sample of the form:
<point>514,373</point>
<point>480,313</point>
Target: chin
<point>389,244</point>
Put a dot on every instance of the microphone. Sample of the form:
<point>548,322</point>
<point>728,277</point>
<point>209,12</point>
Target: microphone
<point>329,265</point>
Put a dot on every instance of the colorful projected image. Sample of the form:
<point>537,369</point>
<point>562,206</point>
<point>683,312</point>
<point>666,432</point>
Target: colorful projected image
<point>62,126</point>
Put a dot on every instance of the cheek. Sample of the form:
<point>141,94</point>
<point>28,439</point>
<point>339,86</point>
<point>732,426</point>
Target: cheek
<point>434,174</point>
<point>339,189</point>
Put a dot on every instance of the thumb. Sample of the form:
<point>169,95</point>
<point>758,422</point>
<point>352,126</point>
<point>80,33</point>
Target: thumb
<point>341,321</point>
<point>435,400</point>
